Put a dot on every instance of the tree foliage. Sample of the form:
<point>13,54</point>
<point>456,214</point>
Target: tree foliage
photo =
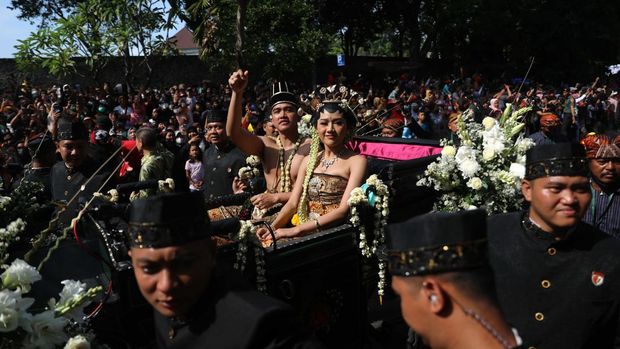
<point>281,40</point>
<point>567,37</point>
<point>96,30</point>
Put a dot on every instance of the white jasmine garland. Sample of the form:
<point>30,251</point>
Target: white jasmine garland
<point>358,198</point>
<point>245,231</point>
<point>381,282</point>
<point>259,258</point>
<point>247,235</point>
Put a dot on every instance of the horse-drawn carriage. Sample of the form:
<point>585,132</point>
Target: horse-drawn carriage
<point>322,275</point>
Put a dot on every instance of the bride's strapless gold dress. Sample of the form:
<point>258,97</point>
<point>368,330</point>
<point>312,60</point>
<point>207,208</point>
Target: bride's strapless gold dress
<point>324,193</point>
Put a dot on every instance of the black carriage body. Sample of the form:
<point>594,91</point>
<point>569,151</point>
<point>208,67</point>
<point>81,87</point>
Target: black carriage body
<point>322,276</point>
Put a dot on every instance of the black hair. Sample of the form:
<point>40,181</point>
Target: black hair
<point>335,107</point>
<point>477,284</point>
<point>199,150</point>
<point>147,136</point>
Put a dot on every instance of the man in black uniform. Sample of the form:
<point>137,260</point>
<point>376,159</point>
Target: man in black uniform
<point>75,170</point>
<point>557,278</point>
<point>43,155</point>
<point>198,303</point>
<point>73,259</point>
<point>222,160</point>
<point>441,273</point>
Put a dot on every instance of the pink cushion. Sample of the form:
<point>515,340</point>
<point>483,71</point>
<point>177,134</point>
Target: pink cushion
<point>393,151</point>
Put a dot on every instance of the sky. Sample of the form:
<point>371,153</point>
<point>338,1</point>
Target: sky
<point>11,29</point>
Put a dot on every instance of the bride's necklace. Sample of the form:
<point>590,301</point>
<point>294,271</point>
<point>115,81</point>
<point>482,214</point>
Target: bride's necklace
<point>327,163</point>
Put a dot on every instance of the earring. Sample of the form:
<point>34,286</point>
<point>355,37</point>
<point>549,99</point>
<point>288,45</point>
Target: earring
<point>433,298</point>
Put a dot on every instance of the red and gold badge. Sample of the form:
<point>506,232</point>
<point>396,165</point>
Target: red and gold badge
<point>597,278</point>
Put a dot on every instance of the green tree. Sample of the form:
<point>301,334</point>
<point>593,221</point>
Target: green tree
<point>97,31</point>
<point>53,46</point>
<point>43,12</point>
<point>355,24</point>
<point>277,40</point>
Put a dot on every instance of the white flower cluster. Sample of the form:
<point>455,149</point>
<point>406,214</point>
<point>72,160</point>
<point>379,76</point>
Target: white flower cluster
<point>250,171</point>
<point>378,200</point>
<point>303,126</point>
<point>253,161</point>
<point>77,342</point>
<point>4,202</point>
<point>112,196</point>
<point>8,235</point>
<point>70,298</point>
<point>45,329</point>
<point>19,275</point>
<point>166,186</point>
<point>485,169</point>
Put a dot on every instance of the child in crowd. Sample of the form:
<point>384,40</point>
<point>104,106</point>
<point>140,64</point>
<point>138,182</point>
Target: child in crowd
<point>194,170</point>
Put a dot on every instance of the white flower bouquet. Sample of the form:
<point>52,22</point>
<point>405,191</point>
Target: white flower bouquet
<point>251,171</point>
<point>303,126</point>
<point>485,169</point>
<point>21,326</point>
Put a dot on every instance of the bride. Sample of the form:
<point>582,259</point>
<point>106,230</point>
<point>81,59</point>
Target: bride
<point>319,199</point>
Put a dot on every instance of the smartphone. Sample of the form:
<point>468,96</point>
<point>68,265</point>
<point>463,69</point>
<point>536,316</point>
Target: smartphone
<point>57,108</point>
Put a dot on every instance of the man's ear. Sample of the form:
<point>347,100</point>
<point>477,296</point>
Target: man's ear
<point>526,190</point>
<point>129,253</point>
<point>433,293</point>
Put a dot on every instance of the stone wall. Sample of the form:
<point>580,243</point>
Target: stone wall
<point>168,71</point>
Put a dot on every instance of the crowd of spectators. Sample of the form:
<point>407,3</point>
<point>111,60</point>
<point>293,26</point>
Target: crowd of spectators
<point>404,106</point>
